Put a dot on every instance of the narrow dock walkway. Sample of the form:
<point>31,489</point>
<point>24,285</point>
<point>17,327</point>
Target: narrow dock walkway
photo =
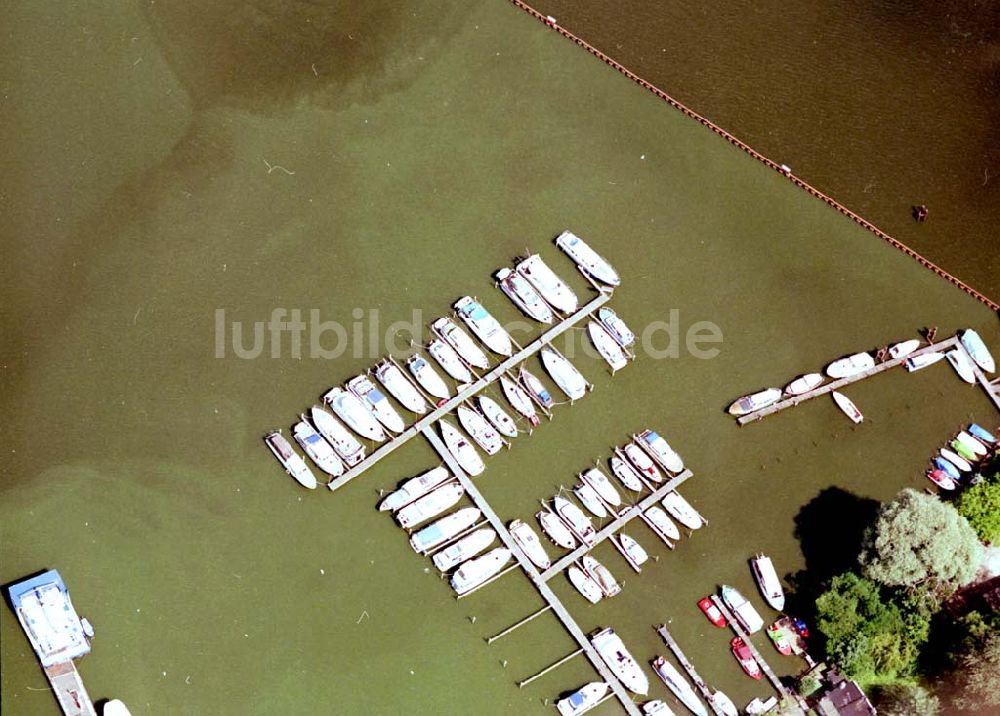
<point>689,668</point>
<point>473,388</point>
<point>624,517</point>
<point>69,690</point>
<point>992,388</point>
<point>547,594</point>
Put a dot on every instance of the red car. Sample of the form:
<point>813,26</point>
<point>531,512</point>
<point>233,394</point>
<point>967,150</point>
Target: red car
<point>711,611</point>
<point>743,655</point>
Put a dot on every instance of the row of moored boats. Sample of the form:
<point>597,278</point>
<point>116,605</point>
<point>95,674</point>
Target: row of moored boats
<point>957,462</point>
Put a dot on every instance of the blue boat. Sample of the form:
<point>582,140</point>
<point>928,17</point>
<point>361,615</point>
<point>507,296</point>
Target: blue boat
<point>945,465</point>
<point>980,432</point>
<point>43,607</point>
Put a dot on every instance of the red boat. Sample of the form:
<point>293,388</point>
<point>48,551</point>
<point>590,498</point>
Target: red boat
<point>711,611</point>
<point>779,637</point>
<point>743,655</point>
<point>941,479</point>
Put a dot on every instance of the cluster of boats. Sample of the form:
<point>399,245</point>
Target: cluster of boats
<point>972,351</point>
<point>957,461</point>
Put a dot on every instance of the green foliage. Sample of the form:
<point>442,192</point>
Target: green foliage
<point>917,538</point>
<point>904,699</point>
<point>975,682</point>
<point>809,685</point>
<point>980,505</point>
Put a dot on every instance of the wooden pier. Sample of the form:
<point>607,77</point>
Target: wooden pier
<point>473,388</point>
<point>547,594</point>
<point>706,693</point>
<point>69,690</point>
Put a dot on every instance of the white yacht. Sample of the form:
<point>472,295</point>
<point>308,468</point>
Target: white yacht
<point>768,582</point>
<point>351,451</point>
<point>742,609</point>
<point>528,541</point>
<point>684,692</point>
<point>660,450</point>
<point>566,376</point>
<point>437,533</point>
<point>556,529</point>
<point>682,511</point>
<point>476,571</point>
<point>524,296</point>
<point>519,399</point>
<point>481,431</point>
<point>497,416</point>
<point>963,366</point>
<point>589,261</point>
<point>318,449</point>
<point>379,405</point>
<point>977,350</point>
<point>602,485</point>
<point>625,473</point>
<point>428,378</point>
<point>612,353</point>
<point>552,288</point>
<point>851,365</point>
<point>589,498</point>
<point>415,487</point>
<point>465,548</point>
<point>430,505</point>
<point>583,699</point>
<point>50,622</point>
<point>448,359</point>
<point>536,389</point>
<point>662,524</point>
<point>349,408</point>
<point>584,584</point>
<point>461,341</point>
<point>578,523</point>
<point>621,663</point>
<point>290,460</point>
<point>600,574</point>
<point>616,326</point>
<point>396,382</point>
<point>461,449</point>
<point>643,463</point>
<point>635,552</point>
<point>901,350</point>
<point>484,325</point>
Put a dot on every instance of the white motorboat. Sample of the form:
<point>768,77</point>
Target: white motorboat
<point>415,487</point>
<point>758,706</point>
<point>977,350</point>
<point>349,408</point>
<point>524,296</point>
<point>589,261</point>
<point>768,582</point>
<point>484,325</point>
<point>383,411</point>
<point>586,586</point>
<point>600,482</point>
<point>556,529</point>
<point>848,407</point>
<point>461,449</point>
<point>290,460</point>
<point>804,383</point>
<point>481,431</point>
<point>962,365</point>
<point>957,460</point>
<point>318,449</point>
<point>723,703</point>
<point>754,402</point>
<point>115,707</point>
<point>395,381</point>
<point>626,474</point>
<point>972,444</point>
<point>923,360</point>
<point>682,511</point>
<point>461,341</point>
<point>448,359</point>
<point>616,327</point>
<point>656,708</point>
<point>428,378</point>
<point>612,353</point>
<point>535,388</point>
<point>497,416</point>
<point>464,549</point>
<point>430,505</point>
<point>742,609</point>
<point>660,450</point>
<point>552,288</point>
<point>643,463</point>
<point>583,699</point>
<point>578,523</point>
<point>566,376</point>
<point>437,533</point>
<point>662,524</point>
<point>528,541</point>
<point>600,574</point>
<point>850,365</point>
<point>621,663</point>
<point>901,350</point>
<point>591,500</point>
<point>478,570</point>
<point>351,451</point>
<point>519,399</point>
<point>635,551</point>
<point>680,687</point>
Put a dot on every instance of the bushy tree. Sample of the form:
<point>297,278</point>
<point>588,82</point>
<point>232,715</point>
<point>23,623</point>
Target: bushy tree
<point>905,700</point>
<point>980,505</point>
<point>917,538</point>
<point>975,681</point>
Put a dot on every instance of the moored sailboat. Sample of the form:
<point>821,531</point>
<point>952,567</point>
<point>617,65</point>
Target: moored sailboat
<point>536,389</point>
<point>850,365</point>
<point>552,288</point>
<point>448,359</point>
<point>430,505</point>
<point>481,431</point>
<point>523,295</point>
<point>917,362</point>
<point>643,463</point>
<point>349,408</point>
<point>437,533</point>
<point>963,366</point>
<point>463,344</point>
<point>350,450</point>
<point>977,350</point>
<point>556,529</point>
<point>754,402</point>
<point>584,584</point>
<point>660,450</point>
<point>376,401</point>
<point>484,325</point>
<point>414,488</point>
<point>618,659</point>
<point>578,523</point>
<point>612,353</point>
<point>589,261</point>
<point>848,407</point>
<point>396,382</point>
<point>478,570</point>
<point>804,383</point>
<point>682,510</point>
<point>464,549</point>
<point>460,448</point>
<point>290,460</point>
<point>680,687</point>
<point>428,378</point>
<point>602,485</point>
<point>566,376</point>
<point>528,541</point>
<point>519,399</point>
<point>497,416</point>
<point>625,473</point>
<point>615,326</point>
<point>583,699</point>
<point>589,498</point>
<point>742,609</point>
<point>318,449</point>
<point>600,574</point>
<point>662,524</point>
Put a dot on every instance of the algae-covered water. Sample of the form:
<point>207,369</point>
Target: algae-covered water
<point>165,163</point>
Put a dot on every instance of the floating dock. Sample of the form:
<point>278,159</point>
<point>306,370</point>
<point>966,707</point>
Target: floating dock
<point>689,668</point>
<point>69,690</point>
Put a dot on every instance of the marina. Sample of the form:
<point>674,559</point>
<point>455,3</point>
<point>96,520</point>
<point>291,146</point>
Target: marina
<point>706,693</point>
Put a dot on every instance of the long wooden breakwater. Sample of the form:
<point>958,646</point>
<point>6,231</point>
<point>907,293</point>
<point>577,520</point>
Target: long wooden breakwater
<point>781,169</point>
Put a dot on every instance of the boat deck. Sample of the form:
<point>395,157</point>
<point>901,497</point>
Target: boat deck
<point>688,667</point>
<point>69,690</point>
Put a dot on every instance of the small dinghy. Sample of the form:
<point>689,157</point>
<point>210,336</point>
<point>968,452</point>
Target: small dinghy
<point>712,612</point>
<point>660,450</point>
<point>956,460</point>
<point>977,350</point>
<point>466,548</point>
<point>662,524</point>
<point>380,407</point>
<point>621,663</point>
<point>633,549</point>
<point>552,288</point>
<point>914,363</point>
<point>484,325</point>
<point>528,541</point>
<point>519,399</point>
<point>396,382</point>
<point>962,365</point>
<point>566,376</point>
<point>430,505</point>
<point>481,431</point>
<point>583,699</point>
<point>947,467</point>
<point>742,609</point>
<point>414,488</point>
<point>745,658</point>
<point>767,581</point>
<point>616,327</point>
<point>290,460</point>
<point>901,350</point>
<point>589,261</point>
<point>754,402</point>
<point>680,687</point>
<point>349,408</point>
<point>588,496</point>
<point>612,353</point>
<point>851,365</point>
<point>973,444</point>
<point>578,523</point>
<point>643,463</point>
<point>536,389</point>
<point>602,485</point>
<point>981,433</point>
<point>437,533</point>
<point>941,479</point>
<point>478,570</point>
<point>448,359</point>
<point>964,450</point>
<point>556,529</point>
<point>600,574</point>
<point>625,473</point>
<point>351,451</point>
<point>847,405</point>
<point>504,424</point>
<point>523,295</point>
<point>463,344</point>
<point>461,449</point>
<point>318,449</point>
<point>804,383</point>
<point>586,586</point>
<point>428,378</point>
<point>682,511</point>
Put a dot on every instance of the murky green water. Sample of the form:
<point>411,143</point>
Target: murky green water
<point>419,151</point>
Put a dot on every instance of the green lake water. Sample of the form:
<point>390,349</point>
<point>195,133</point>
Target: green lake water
<point>156,173</point>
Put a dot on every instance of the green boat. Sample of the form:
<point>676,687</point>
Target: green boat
<point>964,451</point>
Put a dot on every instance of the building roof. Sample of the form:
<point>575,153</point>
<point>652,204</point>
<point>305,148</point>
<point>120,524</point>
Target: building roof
<point>844,698</point>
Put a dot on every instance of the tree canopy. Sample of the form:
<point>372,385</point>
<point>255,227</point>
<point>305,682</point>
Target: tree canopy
<point>980,505</point>
<point>905,700</point>
<point>975,681</point>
